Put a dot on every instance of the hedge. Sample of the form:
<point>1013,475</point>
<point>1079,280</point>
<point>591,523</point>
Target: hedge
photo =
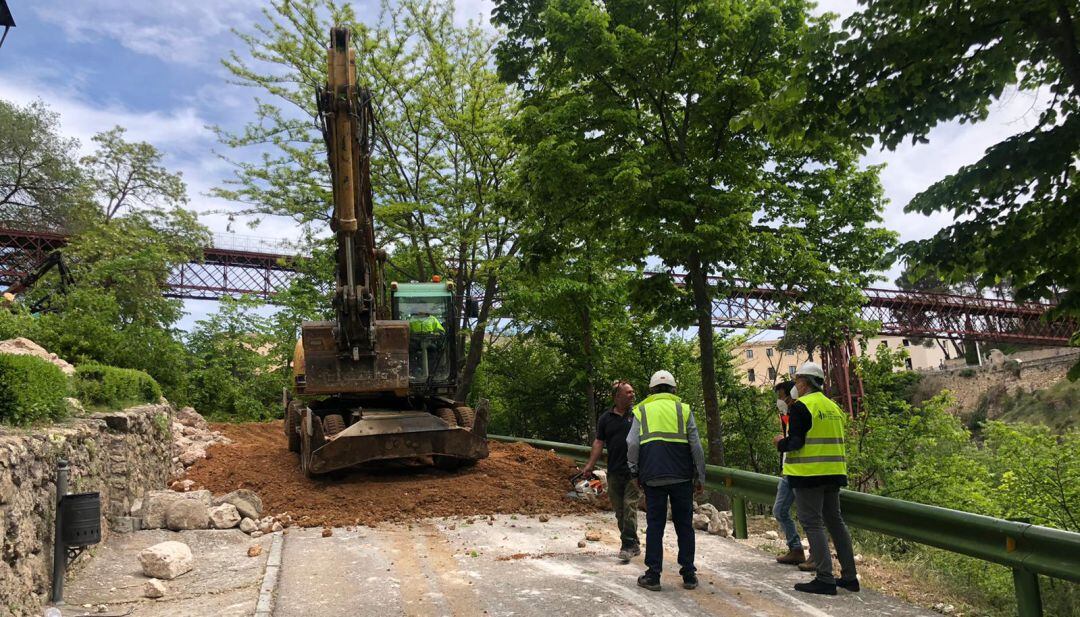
<point>98,384</point>
<point>30,389</point>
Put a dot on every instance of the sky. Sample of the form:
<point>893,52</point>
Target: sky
<point>154,68</point>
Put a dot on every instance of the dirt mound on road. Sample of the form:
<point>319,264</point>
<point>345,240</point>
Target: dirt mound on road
<point>516,478</point>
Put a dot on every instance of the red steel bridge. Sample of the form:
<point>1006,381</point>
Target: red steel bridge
<point>237,265</point>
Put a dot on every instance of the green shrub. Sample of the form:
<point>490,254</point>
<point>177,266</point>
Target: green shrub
<point>30,389</point>
<point>98,384</point>
<point>967,373</point>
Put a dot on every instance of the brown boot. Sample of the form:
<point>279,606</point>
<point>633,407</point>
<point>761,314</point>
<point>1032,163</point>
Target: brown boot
<point>792,557</point>
<point>809,565</point>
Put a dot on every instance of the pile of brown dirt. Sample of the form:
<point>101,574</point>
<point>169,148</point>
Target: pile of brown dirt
<point>515,479</point>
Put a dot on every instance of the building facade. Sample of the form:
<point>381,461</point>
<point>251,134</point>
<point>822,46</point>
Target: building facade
<point>762,363</point>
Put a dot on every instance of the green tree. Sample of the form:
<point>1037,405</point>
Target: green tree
<point>234,372</point>
<point>41,185</point>
<point>648,106</point>
<point>126,175</point>
<point>898,69</point>
<point>442,157</point>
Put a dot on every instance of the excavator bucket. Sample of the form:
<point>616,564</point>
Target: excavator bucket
<point>326,372</point>
<point>387,435</point>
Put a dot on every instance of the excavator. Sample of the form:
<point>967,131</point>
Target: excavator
<point>377,382</point>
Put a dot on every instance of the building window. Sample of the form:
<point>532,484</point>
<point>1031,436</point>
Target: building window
<point>907,343</point>
<point>750,353</point>
<point>772,374</point>
<point>790,352</point>
<point>791,370</point>
<point>907,363</point>
<point>750,376</point>
<point>768,352</point>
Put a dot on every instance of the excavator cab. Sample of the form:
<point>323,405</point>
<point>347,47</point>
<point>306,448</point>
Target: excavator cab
<point>426,308</point>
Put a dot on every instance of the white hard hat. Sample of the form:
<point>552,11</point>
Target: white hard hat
<point>662,378</point>
<point>811,369</point>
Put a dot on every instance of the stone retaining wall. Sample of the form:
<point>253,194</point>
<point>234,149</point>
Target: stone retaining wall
<point>121,455</point>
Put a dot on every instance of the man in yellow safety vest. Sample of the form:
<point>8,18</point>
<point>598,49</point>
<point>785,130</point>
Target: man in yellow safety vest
<point>424,323</point>
<point>666,459</point>
<point>815,465</point>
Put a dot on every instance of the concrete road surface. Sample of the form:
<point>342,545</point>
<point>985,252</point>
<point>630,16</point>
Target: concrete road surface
<point>522,567</point>
<point>503,566</point>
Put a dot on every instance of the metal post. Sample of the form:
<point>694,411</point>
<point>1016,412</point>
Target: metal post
<point>738,514</point>
<point>59,552</point>
<point>1028,598</point>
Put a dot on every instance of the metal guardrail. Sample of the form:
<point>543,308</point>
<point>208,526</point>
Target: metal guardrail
<point>1028,550</point>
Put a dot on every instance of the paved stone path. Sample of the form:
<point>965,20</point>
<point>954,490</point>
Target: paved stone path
<point>514,566</point>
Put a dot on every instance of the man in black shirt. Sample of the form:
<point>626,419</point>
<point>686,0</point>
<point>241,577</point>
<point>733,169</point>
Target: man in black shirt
<point>611,431</point>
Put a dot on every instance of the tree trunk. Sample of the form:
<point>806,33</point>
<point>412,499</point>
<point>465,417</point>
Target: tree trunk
<point>703,310</point>
<point>590,387</point>
<point>476,340</point>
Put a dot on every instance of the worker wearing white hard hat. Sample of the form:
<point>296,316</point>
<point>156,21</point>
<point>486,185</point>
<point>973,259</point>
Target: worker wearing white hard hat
<point>815,464</point>
<point>666,458</point>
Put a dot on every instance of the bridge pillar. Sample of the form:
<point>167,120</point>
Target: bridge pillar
<point>844,385</point>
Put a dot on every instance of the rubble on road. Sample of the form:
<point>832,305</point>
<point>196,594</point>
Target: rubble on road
<point>187,514</point>
<point>192,436</point>
<point>515,478</point>
<point>224,516</point>
<point>254,551</point>
<point>166,560</point>
<point>719,522</point>
<point>246,502</point>
<point>155,588</point>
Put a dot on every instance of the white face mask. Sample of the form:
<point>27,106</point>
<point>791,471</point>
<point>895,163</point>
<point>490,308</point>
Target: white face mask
<point>781,405</point>
<point>794,392</point>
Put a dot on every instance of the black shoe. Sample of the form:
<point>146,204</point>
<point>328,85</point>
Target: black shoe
<point>689,581</point>
<point>850,585</point>
<point>650,582</point>
<point>817,586</point>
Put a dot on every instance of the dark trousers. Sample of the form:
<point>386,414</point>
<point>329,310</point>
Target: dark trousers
<point>819,509</point>
<point>682,517</point>
<point>623,494</point>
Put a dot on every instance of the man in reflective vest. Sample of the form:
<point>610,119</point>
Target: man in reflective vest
<point>666,459</point>
<point>424,323</point>
<point>815,465</point>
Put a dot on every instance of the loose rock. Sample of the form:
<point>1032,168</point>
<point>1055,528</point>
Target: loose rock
<point>772,535</point>
<point>224,516</point>
<point>581,544</point>
<point>187,514</point>
<point>256,534</point>
<point>26,347</point>
<point>327,532</point>
<point>247,525</point>
<point>592,535</point>
<point>189,417</point>
<point>701,521</point>
<point>155,588</point>
<point>254,550</point>
<point>156,505</point>
<point>166,560</point>
<point>247,503</point>
<point>544,518</point>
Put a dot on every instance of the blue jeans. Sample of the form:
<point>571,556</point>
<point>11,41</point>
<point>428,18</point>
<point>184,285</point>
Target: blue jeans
<point>682,518</point>
<point>781,509</point>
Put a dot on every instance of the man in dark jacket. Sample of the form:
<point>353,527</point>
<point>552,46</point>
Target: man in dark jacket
<point>611,431</point>
<point>665,456</point>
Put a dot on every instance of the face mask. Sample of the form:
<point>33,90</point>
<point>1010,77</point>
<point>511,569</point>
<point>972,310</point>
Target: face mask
<point>794,392</point>
<point>781,405</point>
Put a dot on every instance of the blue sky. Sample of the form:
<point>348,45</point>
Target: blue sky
<point>153,67</point>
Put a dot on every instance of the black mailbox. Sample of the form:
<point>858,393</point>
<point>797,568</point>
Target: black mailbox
<point>81,519</point>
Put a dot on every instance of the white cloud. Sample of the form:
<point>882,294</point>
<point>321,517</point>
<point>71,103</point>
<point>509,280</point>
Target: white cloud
<point>172,31</point>
<point>81,117</point>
